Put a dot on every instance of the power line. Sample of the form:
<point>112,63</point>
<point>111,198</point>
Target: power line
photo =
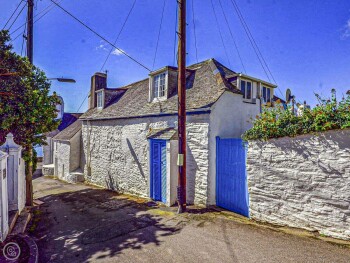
<point>121,30</point>
<point>20,12</point>
<point>160,29</point>
<point>175,34</point>
<point>262,57</point>
<point>47,9</point>
<point>222,40</point>
<point>82,102</point>
<point>234,41</point>
<point>194,30</point>
<point>8,20</point>
<point>250,40</point>
<point>257,47</point>
<point>24,33</point>
<point>103,38</point>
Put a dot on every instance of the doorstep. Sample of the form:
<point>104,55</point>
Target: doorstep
<point>21,222</point>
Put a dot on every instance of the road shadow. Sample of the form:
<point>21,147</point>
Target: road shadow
<point>93,224</point>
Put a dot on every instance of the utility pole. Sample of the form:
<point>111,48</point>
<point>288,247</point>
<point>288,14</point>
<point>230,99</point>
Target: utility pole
<point>30,30</point>
<point>29,177</point>
<point>181,191</point>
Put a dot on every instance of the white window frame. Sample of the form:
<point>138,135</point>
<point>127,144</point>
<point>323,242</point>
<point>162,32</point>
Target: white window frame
<point>160,91</point>
<point>155,93</point>
<point>102,94</point>
<point>246,89</point>
<point>264,93</point>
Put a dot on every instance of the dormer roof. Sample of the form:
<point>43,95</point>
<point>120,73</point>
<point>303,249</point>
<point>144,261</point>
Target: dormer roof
<point>205,83</point>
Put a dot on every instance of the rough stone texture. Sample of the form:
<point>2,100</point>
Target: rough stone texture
<point>302,182</point>
<point>48,169</point>
<point>62,158</point>
<point>118,154</point>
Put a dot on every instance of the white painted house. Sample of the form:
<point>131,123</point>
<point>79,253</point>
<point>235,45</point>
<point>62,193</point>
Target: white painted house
<point>129,135</point>
<point>66,119</point>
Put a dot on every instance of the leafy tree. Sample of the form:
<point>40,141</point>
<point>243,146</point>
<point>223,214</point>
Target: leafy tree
<point>26,108</point>
<point>329,114</point>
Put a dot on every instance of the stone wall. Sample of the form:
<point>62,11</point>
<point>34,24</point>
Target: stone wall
<point>117,152</point>
<point>62,159</point>
<point>302,182</point>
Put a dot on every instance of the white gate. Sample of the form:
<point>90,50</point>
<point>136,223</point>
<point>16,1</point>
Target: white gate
<point>15,174</point>
<point>4,224</point>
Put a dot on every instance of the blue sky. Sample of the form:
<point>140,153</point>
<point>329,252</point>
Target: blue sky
<point>305,43</point>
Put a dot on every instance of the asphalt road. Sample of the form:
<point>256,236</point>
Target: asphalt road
<point>78,223</point>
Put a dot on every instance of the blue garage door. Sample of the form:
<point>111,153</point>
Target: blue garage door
<point>231,176</point>
<point>158,170</point>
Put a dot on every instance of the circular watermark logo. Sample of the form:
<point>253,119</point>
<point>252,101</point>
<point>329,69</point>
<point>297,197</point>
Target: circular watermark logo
<point>11,251</point>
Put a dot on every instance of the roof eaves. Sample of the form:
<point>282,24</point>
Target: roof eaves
<point>206,110</point>
<point>258,80</point>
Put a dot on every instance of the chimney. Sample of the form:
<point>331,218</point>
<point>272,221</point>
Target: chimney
<point>98,82</point>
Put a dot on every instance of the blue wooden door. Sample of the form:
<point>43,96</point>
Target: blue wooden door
<point>158,170</point>
<point>231,176</point>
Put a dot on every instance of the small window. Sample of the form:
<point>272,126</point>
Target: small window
<point>266,94</point>
<point>159,88</point>
<point>247,89</point>
<point>100,99</point>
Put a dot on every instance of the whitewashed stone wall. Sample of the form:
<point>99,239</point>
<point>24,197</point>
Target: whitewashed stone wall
<point>302,182</point>
<point>62,159</point>
<point>118,153</point>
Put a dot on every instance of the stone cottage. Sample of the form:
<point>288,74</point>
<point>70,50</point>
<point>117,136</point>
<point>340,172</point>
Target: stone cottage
<point>67,153</point>
<point>65,119</point>
<point>129,134</point>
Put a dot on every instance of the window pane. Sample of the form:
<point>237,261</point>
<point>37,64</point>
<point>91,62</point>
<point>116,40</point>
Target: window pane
<point>243,88</point>
<point>156,86</point>
<point>249,90</point>
<point>99,100</point>
<point>264,93</point>
<point>159,85</point>
<point>268,95</point>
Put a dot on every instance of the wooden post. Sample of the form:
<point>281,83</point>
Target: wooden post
<point>29,177</point>
<point>182,106</point>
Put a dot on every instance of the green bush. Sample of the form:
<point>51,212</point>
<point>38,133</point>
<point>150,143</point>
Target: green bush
<point>327,115</point>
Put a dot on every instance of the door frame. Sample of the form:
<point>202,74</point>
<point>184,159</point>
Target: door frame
<point>165,198</point>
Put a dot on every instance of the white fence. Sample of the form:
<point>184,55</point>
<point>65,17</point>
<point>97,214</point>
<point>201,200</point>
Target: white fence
<point>12,182</point>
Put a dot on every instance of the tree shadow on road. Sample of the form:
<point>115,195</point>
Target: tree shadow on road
<point>94,224</point>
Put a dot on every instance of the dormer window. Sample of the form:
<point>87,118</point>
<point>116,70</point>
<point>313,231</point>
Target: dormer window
<point>266,94</point>
<point>246,89</point>
<point>100,99</point>
<point>159,85</point>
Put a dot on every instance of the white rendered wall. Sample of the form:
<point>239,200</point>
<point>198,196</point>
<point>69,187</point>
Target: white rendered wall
<point>302,182</point>
<point>118,154</point>
<point>75,152</point>
<point>230,118</point>
<point>62,155</point>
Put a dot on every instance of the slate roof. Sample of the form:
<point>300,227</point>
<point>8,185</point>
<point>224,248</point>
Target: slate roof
<point>68,132</point>
<point>164,134</point>
<point>67,119</point>
<point>206,82</point>
<point>275,98</point>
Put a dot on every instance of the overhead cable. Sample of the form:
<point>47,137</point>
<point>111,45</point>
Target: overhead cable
<point>222,40</point>
<point>20,12</point>
<point>116,40</point>
<point>100,36</point>
<point>234,41</point>
<point>8,20</point>
<point>160,29</point>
